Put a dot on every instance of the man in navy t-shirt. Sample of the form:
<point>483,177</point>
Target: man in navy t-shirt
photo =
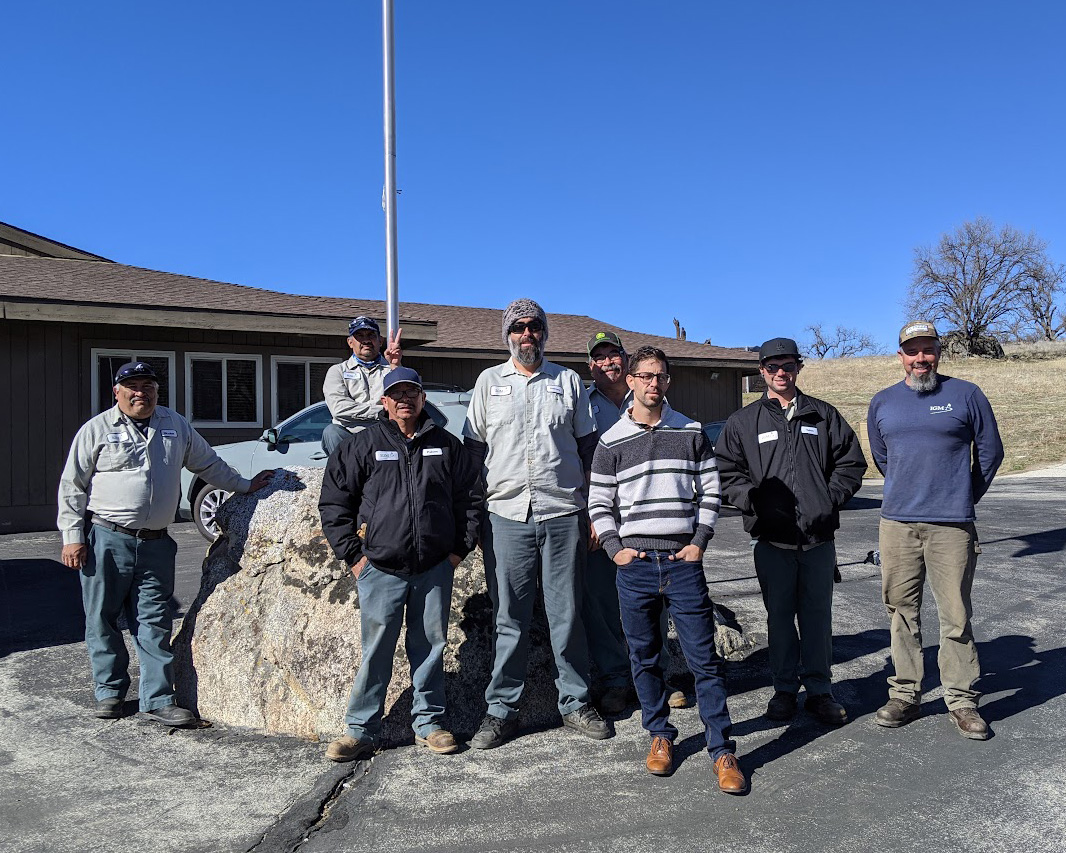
<point>936,441</point>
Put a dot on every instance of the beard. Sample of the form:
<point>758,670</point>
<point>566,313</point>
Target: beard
<point>527,354</point>
<point>925,383</point>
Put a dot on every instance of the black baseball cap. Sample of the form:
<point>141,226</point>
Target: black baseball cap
<point>604,338</point>
<point>135,370</point>
<point>402,375</point>
<point>778,347</point>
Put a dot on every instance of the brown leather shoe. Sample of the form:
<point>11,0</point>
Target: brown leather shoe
<point>660,757</point>
<point>730,778</point>
<point>969,723</point>
<point>440,741</point>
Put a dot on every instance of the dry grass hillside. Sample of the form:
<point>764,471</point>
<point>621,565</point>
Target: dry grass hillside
<point>1027,391</point>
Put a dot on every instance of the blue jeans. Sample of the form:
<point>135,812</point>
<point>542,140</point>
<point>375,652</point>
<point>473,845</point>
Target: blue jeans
<point>603,625</point>
<point>518,554</point>
<point>427,598</point>
<point>645,587</point>
<point>797,586</point>
<point>124,574</point>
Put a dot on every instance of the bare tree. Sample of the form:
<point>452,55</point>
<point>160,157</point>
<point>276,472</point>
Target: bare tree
<point>975,279</point>
<point>1041,317</point>
<point>679,330</point>
<point>840,343</point>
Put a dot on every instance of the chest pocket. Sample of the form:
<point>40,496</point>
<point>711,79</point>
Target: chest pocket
<point>500,409</point>
<point>119,456</point>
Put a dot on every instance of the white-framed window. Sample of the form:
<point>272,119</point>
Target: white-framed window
<point>107,361</point>
<point>297,383</point>
<point>223,389</point>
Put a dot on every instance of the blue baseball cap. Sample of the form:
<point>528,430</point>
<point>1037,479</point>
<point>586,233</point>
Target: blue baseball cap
<point>363,323</point>
<point>401,375</point>
<point>135,370</point>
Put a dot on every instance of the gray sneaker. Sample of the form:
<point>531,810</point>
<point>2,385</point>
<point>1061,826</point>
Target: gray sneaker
<point>493,732</point>
<point>588,721</point>
<point>171,715</point>
<point>896,712</point>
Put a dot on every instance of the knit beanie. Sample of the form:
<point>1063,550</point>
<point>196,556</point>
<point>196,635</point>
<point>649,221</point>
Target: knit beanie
<point>523,308</point>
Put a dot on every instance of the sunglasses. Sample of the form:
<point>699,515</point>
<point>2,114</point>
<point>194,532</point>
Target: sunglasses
<point>788,367</point>
<point>533,326</point>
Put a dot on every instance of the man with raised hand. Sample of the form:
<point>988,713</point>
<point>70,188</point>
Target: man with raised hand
<point>654,501</point>
<point>789,462</point>
<point>936,441</point>
<point>401,504</point>
<point>117,494</point>
<point>353,388</point>
<point>531,423</point>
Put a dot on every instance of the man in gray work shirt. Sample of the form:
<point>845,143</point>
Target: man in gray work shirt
<point>531,422</point>
<point>124,475</point>
<point>353,389</point>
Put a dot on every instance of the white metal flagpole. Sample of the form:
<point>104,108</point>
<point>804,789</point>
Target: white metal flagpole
<point>392,303</point>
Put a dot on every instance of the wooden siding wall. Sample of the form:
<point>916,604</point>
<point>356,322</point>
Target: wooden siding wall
<point>46,386</point>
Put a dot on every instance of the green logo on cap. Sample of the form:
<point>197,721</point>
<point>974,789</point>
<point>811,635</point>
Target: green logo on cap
<point>601,335</point>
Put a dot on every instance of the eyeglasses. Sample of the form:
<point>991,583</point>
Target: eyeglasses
<point>605,357</point>
<point>647,378</point>
<point>404,393</point>
<point>788,367</point>
<point>534,326</point>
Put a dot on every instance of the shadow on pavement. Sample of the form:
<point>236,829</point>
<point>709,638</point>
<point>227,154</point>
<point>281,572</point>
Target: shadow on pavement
<point>1011,662</point>
<point>1044,542</point>
<point>40,605</point>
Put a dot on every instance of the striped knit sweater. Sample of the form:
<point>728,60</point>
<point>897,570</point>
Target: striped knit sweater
<point>654,488</point>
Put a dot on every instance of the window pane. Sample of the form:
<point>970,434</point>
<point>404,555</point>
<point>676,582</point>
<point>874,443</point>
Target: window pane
<point>161,365</point>
<point>107,366</point>
<point>318,376</point>
<point>207,390</point>
<point>240,391</point>
<point>290,379</point>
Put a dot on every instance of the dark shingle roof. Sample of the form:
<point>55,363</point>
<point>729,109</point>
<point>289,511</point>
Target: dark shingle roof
<point>459,328</point>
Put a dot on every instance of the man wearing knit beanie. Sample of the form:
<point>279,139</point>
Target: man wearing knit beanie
<point>531,423</point>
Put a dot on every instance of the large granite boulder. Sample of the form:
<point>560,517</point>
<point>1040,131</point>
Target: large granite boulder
<point>271,641</point>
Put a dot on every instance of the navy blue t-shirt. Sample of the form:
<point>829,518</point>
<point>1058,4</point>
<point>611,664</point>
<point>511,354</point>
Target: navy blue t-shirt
<point>938,450</point>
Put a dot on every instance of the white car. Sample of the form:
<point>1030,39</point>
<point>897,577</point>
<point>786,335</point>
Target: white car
<point>296,442</point>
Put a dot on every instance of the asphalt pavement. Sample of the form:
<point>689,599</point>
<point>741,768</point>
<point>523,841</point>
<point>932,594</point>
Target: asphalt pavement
<point>70,782</point>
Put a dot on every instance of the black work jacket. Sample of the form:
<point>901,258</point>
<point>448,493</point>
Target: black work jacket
<point>419,501</point>
<point>789,478</point>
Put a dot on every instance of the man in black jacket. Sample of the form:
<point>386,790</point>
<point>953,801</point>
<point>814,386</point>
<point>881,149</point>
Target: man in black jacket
<point>789,462</point>
<point>401,504</point>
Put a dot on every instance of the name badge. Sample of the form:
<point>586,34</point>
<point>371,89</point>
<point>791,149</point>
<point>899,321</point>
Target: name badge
<point>500,390</point>
<point>554,389</point>
<point>767,436</point>
<point>350,374</point>
<point>116,437</point>
<point>168,433</point>
<point>809,430</point>
<point>433,451</point>
<point>387,455</point>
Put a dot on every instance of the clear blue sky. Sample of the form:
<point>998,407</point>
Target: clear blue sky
<point>748,167</point>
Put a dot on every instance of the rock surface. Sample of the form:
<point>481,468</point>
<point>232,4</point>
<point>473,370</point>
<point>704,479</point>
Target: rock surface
<point>272,640</point>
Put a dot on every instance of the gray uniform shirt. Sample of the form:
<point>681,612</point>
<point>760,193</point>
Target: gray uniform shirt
<point>353,392</point>
<point>531,426</point>
<point>606,412</point>
<point>133,480</point>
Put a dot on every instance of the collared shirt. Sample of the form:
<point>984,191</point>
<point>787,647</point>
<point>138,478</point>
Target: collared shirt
<point>531,425</point>
<point>134,480</point>
<point>353,391</point>
<point>606,412</point>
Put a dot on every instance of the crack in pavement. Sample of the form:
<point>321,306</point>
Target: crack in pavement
<point>306,816</point>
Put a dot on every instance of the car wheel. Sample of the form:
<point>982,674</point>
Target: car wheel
<point>204,508</point>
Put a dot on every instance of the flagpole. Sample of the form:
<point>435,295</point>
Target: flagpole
<point>392,303</point>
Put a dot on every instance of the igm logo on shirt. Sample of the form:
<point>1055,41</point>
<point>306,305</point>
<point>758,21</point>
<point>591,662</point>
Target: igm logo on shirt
<point>939,410</point>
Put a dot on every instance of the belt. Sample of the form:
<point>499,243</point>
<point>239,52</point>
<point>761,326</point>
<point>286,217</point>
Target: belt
<point>143,533</point>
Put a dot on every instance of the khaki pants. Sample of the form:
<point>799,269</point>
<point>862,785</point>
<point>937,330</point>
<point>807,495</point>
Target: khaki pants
<point>946,553</point>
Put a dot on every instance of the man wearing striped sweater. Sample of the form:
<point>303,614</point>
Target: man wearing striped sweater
<point>654,501</point>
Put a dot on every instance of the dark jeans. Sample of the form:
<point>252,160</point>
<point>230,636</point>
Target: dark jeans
<point>645,587</point>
